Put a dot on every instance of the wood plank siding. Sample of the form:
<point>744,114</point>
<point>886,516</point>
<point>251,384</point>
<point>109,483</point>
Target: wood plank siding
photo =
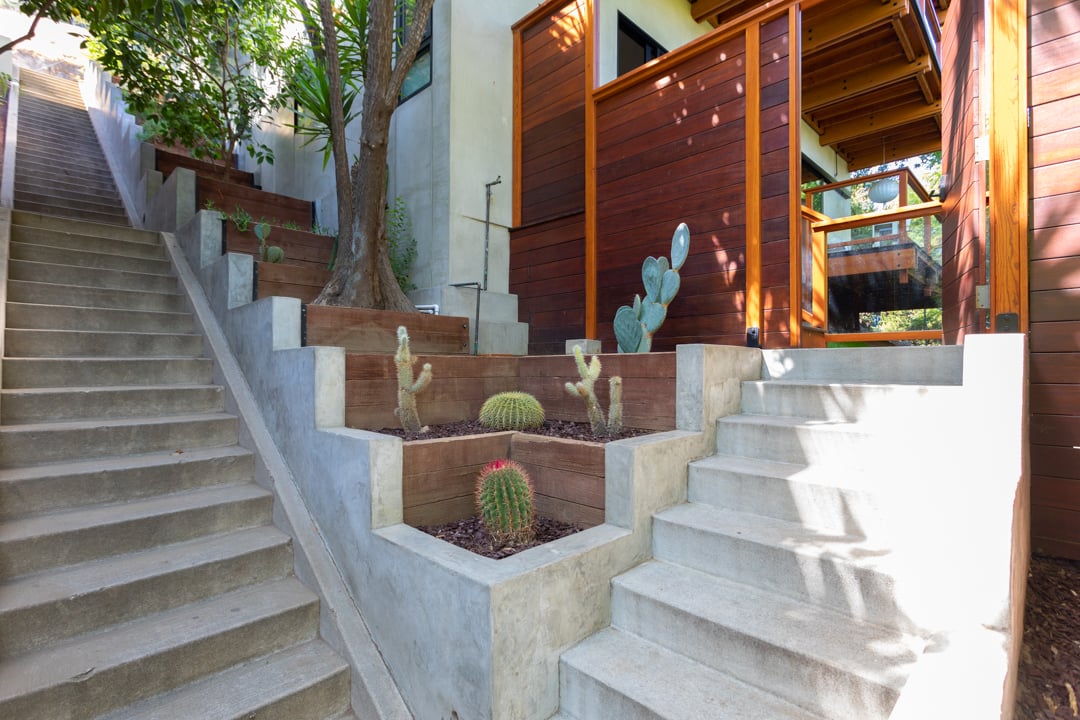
<point>547,247</point>
<point>962,186</point>
<point>1054,279</point>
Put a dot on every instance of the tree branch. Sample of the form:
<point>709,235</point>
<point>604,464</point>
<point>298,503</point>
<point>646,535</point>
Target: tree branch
<point>42,11</point>
<point>407,54</point>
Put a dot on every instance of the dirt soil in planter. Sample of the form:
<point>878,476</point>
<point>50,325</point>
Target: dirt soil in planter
<point>552,428</point>
<point>471,535</point>
<point>1049,680</point>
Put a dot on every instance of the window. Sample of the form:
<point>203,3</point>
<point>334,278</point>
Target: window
<point>419,75</point>
<point>635,47</point>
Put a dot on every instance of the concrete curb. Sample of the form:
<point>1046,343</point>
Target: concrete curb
<point>11,133</point>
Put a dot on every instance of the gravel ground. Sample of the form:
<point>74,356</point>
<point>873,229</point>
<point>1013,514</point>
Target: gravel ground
<point>1050,658</point>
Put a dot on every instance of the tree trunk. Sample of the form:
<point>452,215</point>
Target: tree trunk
<point>363,276</point>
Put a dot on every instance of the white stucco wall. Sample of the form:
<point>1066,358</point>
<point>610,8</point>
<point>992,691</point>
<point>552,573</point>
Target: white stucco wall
<point>668,22</point>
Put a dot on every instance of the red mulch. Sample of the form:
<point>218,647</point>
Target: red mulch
<point>1050,659</point>
<point>552,428</point>
<point>471,535</point>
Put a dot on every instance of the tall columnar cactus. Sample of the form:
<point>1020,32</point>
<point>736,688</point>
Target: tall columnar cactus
<point>512,411</point>
<point>504,497</point>
<point>407,386</point>
<point>635,326</point>
<point>585,388</point>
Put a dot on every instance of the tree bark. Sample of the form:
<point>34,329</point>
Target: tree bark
<point>363,276</point>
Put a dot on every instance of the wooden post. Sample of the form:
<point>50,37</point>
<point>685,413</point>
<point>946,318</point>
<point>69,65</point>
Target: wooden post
<point>753,176</point>
<point>589,28</point>
<point>795,172</point>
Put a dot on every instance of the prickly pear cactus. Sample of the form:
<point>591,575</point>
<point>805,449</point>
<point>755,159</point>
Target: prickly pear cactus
<point>268,253</point>
<point>504,497</point>
<point>511,411</point>
<point>635,326</point>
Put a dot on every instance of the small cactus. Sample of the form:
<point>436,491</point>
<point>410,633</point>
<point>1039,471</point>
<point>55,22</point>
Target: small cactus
<point>585,388</point>
<point>504,498</point>
<point>267,253</point>
<point>635,326</point>
<point>407,386</point>
<point>512,411</point>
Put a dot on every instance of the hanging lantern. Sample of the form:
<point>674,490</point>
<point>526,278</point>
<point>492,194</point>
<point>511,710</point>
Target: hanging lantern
<point>884,190</point>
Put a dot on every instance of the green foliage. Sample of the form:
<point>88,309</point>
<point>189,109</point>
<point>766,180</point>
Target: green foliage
<point>271,253</point>
<point>290,225</point>
<point>401,244</point>
<point>585,389</point>
<point>511,411</point>
<point>241,219</point>
<point>408,387</point>
<point>192,69</point>
<point>209,205</point>
<point>635,326</point>
<point>504,498</point>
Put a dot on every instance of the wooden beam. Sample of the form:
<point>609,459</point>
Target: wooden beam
<point>826,29</point>
<point>881,216</point>
<point>893,151</point>
<point>706,10</point>
<point>876,122</point>
<point>754,316</point>
<point>794,176</point>
<point>861,80</point>
<point>1008,185</point>
<point>591,228</point>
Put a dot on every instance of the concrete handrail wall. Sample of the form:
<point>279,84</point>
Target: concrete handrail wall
<point>489,645</point>
<point>118,135</point>
<point>11,132</point>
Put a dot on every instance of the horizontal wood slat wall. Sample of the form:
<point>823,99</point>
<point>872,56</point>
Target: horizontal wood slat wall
<point>301,282</point>
<point>1054,279</point>
<point>360,330</point>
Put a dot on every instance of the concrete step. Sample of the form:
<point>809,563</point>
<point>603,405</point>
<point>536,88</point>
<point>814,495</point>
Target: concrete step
<point>829,500</point>
<point>61,274</point>
<point>615,674</point>
<point>40,405</point>
<point>72,343</point>
<point>97,371</point>
<point>43,542</point>
<point>847,574</point>
<point>307,682</point>
<point>77,296</point>
<point>51,442</point>
<point>64,317</point>
<point>41,195</point>
<point>60,210</point>
<point>64,486</point>
<point>809,656</point>
<point>49,607</point>
<point>893,365</point>
<point>40,145</point>
<point>95,183</point>
<point>52,122</point>
<point>91,243</point>
<point>84,258</point>
<point>909,406</point>
<point>24,218</point>
<point>107,671</point>
<point>802,441</point>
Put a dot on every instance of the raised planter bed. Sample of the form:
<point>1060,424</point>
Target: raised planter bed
<point>302,248</point>
<point>259,204</point>
<point>375,331</point>
<point>295,281</point>
<point>165,161</point>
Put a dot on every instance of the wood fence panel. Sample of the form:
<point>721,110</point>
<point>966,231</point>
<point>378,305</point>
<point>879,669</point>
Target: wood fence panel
<point>360,330</point>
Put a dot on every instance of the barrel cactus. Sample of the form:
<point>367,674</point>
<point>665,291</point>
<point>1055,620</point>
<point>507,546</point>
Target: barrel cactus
<point>512,411</point>
<point>504,497</point>
<point>635,326</point>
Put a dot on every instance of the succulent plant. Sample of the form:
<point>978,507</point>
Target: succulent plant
<point>271,253</point>
<point>635,326</point>
<point>504,498</point>
<point>511,411</point>
<point>585,389</point>
<point>407,386</point>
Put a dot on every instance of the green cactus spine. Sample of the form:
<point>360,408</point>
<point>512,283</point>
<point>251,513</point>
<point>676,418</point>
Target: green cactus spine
<point>635,326</point>
<point>585,389</point>
<point>504,497</point>
<point>407,386</point>
<point>512,411</point>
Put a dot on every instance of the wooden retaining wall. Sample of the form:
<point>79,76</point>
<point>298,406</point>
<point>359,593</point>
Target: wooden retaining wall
<point>165,161</point>
<point>360,330</point>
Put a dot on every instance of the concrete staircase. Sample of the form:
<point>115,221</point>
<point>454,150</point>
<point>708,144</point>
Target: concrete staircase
<point>791,585</point>
<point>140,572</point>
<point>59,166</point>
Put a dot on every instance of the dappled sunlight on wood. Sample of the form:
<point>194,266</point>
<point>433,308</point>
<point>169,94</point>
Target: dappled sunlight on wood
<point>568,29</point>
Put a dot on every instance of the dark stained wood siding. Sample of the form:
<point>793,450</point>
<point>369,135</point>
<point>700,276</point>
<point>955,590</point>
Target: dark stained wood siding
<point>547,251</point>
<point>1055,276</point>
<point>962,224</point>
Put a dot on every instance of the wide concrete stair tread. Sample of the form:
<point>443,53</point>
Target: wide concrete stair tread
<point>64,486</point>
<point>47,442</point>
<point>102,672</point>
<point>50,179</point>
<point>26,291</point>
<point>40,405</point>
<point>616,674</point>
<point>46,372</point>
<point>79,343</point>
<point>150,248</point>
<point>307,682</point>
<point>847,573</point>
<point>88,258</point>
<point>52,606</point>
<point>942,365</point>
<point>24,219</point>
<point>37,195</point>
<point>34,316</point>
<point>831,665</point>
<point>63,274</point>
<point>57,208</point>
<point>894,404</point>
<point>801,440</point>
<point>41,542</point>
